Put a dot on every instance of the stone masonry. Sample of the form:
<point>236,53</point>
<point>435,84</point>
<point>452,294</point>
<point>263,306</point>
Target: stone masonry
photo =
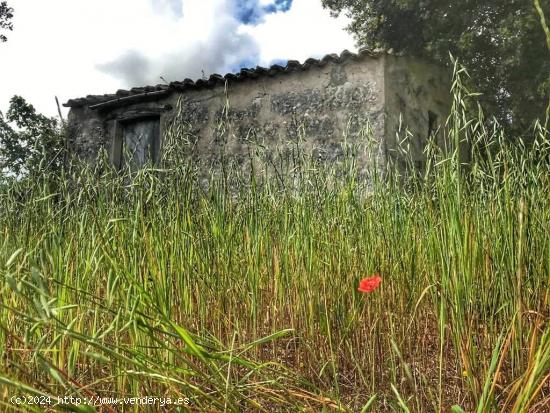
<point>361,99</point>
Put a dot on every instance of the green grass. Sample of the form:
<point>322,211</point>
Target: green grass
<point>242,296</point>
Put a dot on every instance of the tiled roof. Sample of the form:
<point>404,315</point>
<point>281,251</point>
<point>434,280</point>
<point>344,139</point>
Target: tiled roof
<point>146,93</point>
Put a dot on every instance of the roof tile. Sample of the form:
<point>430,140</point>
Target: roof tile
<point>252,73</point>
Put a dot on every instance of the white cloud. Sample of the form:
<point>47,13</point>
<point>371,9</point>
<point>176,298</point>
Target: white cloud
<point>205,39</point>
<point>170,7</point>
<point>306,30</point>
<point>73,48</point>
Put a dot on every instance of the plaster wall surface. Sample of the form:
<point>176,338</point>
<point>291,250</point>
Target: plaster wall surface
<point>361,101</point>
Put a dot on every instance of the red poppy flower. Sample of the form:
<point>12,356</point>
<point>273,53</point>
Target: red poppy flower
<point>367,285</point>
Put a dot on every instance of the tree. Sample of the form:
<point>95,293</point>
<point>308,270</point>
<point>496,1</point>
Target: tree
<point>35,144</point>
<point>499,41</point>
<point>6,14</point>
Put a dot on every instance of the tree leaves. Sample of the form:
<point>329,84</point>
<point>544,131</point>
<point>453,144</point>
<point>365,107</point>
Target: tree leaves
<point>33,138</point>
<point>499,41</point>
<point>6,14</point>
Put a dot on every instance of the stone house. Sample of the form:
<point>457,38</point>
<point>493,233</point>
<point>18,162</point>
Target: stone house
<point>363,99</point>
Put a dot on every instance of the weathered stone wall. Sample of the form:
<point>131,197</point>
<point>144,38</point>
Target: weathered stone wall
<point>417,104</point>
<point>358,101</point>
<point>86,133</point>
<point>311,110</point>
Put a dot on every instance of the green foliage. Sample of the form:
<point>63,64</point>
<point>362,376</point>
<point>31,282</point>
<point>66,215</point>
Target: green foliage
<point>499,41</point>
<point>6,14</point>
<point>543,21</point>
<point>243,296</point>
<point>35,143</point>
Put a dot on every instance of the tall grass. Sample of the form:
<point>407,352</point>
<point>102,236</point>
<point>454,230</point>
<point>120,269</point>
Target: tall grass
<point>242,296</point>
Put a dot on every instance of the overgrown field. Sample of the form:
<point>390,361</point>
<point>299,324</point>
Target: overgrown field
<point>244,297</point>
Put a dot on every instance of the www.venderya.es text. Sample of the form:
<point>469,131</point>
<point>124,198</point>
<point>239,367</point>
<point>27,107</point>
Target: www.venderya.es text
<point>98,400</point>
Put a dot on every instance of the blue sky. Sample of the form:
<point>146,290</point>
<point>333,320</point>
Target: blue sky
<point>253,11</point>
<point>70,48</point>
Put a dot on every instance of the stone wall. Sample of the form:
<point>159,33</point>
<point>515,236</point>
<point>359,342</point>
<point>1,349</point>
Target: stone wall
<point>357,100</point>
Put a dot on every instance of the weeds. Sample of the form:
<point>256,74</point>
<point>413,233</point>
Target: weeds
<point>245,298</point>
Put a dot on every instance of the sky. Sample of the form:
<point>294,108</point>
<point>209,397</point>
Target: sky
<point>72,48</point>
